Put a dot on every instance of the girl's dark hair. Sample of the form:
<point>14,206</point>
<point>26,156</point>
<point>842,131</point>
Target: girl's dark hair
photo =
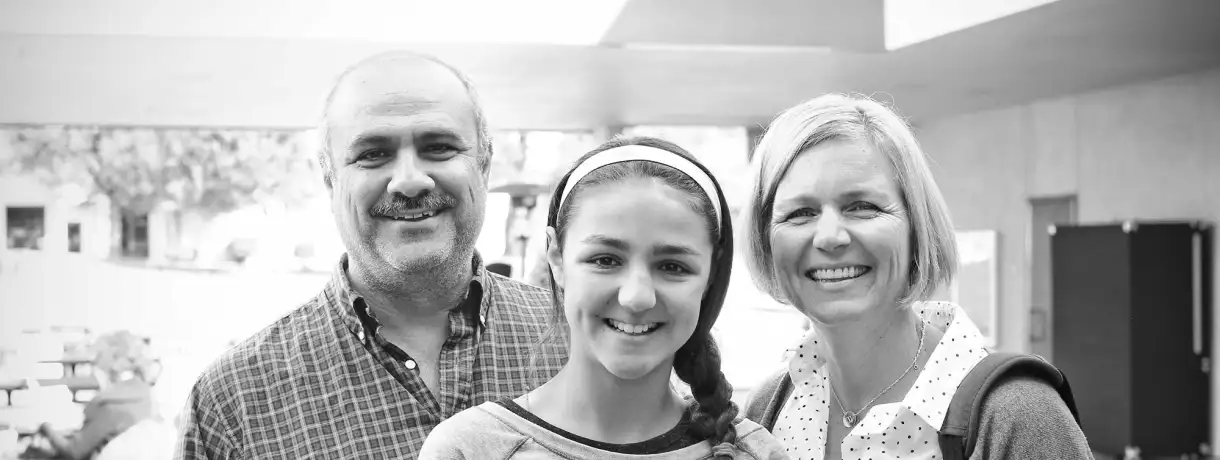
<point>697,362</point>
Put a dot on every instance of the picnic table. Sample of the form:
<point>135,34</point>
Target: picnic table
<point>70,361</point>
<point>74,385</point>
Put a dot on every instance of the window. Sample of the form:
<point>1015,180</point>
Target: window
<point>135,235</point>
<point>25,227</point>
<point>74,237</point>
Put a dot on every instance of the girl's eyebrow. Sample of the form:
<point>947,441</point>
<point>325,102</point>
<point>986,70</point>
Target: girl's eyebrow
<point>663,249</point>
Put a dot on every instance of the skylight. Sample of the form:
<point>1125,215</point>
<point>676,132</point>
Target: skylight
<point>564,22</point>
<point>908,22</point>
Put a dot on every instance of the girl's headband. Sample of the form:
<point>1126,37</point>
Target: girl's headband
<point>645,153</point>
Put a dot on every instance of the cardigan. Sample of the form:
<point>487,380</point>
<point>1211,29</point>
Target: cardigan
<point>1022,418</point>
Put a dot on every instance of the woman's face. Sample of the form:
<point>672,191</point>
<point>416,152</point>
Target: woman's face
<point>839,234</point>
<point>633,269</point>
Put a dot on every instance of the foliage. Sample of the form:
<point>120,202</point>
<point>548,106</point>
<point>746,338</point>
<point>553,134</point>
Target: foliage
<point>201,169</point>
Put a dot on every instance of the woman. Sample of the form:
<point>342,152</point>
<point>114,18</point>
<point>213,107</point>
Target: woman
<point>123,366</point>
<point>846,224</point>
<point>639,250</point>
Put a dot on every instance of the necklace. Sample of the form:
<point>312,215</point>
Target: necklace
<point>850,418</point>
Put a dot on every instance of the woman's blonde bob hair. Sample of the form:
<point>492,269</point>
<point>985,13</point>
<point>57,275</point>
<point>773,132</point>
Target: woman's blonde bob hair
<point>855,118</point>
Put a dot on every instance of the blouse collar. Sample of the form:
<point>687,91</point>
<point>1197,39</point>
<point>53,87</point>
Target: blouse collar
<point>961,347</point>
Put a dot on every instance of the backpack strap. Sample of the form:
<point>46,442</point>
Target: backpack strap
<point>957,434</point>
<point>768,399</point>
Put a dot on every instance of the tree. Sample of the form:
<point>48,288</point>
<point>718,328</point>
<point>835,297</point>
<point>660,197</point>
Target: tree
<point>202,170</point>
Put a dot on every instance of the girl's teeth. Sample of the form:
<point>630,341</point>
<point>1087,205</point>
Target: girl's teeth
<point>632,328</point>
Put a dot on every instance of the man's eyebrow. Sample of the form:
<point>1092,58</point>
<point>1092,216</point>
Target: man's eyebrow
<point>420,134</point>
<point>437,133</point>
<point>371,138</point>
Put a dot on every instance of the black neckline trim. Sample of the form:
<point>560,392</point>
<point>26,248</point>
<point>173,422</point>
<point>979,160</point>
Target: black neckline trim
<point>677,438</point>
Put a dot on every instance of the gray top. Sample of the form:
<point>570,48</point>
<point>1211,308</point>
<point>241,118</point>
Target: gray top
<point>1022,418</point>
<point>491,431</point>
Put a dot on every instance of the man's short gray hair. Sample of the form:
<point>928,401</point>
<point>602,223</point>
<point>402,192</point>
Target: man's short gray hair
<point>480,121</point>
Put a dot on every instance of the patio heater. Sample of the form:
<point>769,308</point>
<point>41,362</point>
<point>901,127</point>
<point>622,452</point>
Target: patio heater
<point>524,196</point>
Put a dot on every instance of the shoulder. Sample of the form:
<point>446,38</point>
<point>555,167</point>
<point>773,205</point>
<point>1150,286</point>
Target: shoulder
<point>518,304</point>
<point>763,394</point>
<point>1024,417</point>
<point>474,433</point>
<point>1020,395</point>
<point>245,365</point>
<point>754,442</point>
<point>240,382</point>
<point>509,291</point>
<point>482,417</point>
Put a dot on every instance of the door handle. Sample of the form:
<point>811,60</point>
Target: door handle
<point>1196,275</point>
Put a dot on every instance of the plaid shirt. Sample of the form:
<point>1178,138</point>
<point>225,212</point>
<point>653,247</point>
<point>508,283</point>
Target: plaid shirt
<point>323,383</point>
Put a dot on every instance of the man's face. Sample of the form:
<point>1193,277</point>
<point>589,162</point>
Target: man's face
<point>408,191</point>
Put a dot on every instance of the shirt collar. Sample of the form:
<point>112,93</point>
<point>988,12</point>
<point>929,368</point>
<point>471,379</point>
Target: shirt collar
<point>961,347</point>
<point>351,304</point>
<point>959,350</point>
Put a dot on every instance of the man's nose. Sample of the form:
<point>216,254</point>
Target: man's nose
<point>637,293</point>
<point>409,178</point>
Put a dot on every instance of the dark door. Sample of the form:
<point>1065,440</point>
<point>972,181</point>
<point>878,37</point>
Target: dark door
<point>1092,328</point>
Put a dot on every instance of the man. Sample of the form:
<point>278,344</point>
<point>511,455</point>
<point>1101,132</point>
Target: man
<point>411,329</point>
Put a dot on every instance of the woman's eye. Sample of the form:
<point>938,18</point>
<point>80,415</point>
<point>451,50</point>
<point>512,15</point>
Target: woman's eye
<point>673,267</point>
<point>373,155</point>
<point>864,207</point>
<point>803,212</point>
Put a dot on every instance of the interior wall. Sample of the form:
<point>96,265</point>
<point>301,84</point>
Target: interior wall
<point>1143,151</point>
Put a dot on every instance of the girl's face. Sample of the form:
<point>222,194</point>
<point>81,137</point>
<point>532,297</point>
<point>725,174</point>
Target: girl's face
<point>633,271</point>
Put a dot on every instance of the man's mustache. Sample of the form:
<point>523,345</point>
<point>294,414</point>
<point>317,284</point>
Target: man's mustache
<point>397,205</point>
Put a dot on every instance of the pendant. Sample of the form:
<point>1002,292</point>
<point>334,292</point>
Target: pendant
<point>849,419</point>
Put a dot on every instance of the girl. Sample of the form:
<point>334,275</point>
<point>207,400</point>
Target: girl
<point>640,248</point>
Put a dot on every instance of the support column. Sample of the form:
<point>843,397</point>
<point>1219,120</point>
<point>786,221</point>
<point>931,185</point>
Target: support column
<point>754,133</point>
<point>604,133</point>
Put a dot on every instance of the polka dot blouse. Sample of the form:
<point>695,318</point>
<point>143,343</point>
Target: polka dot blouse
<point>902,430</point>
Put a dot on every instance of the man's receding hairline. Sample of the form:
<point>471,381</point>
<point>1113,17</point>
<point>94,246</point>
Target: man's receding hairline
<point>392,57</point>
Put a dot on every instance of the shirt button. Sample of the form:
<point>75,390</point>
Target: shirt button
<point>410,363</point>
<point>360,335</point>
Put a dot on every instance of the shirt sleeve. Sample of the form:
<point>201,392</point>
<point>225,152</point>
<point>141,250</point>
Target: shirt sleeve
<point>1025,418</point>
<point>758,444</point>
<point>204,434</point>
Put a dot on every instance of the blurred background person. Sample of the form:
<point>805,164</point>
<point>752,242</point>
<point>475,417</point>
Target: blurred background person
<point>124,367</point>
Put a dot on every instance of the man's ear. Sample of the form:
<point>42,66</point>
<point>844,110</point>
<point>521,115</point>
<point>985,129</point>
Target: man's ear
<point>554,257</point>
<point>485,165</point>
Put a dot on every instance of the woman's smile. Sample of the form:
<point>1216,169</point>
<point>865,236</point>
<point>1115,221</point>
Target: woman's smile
<point>835,279</point>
